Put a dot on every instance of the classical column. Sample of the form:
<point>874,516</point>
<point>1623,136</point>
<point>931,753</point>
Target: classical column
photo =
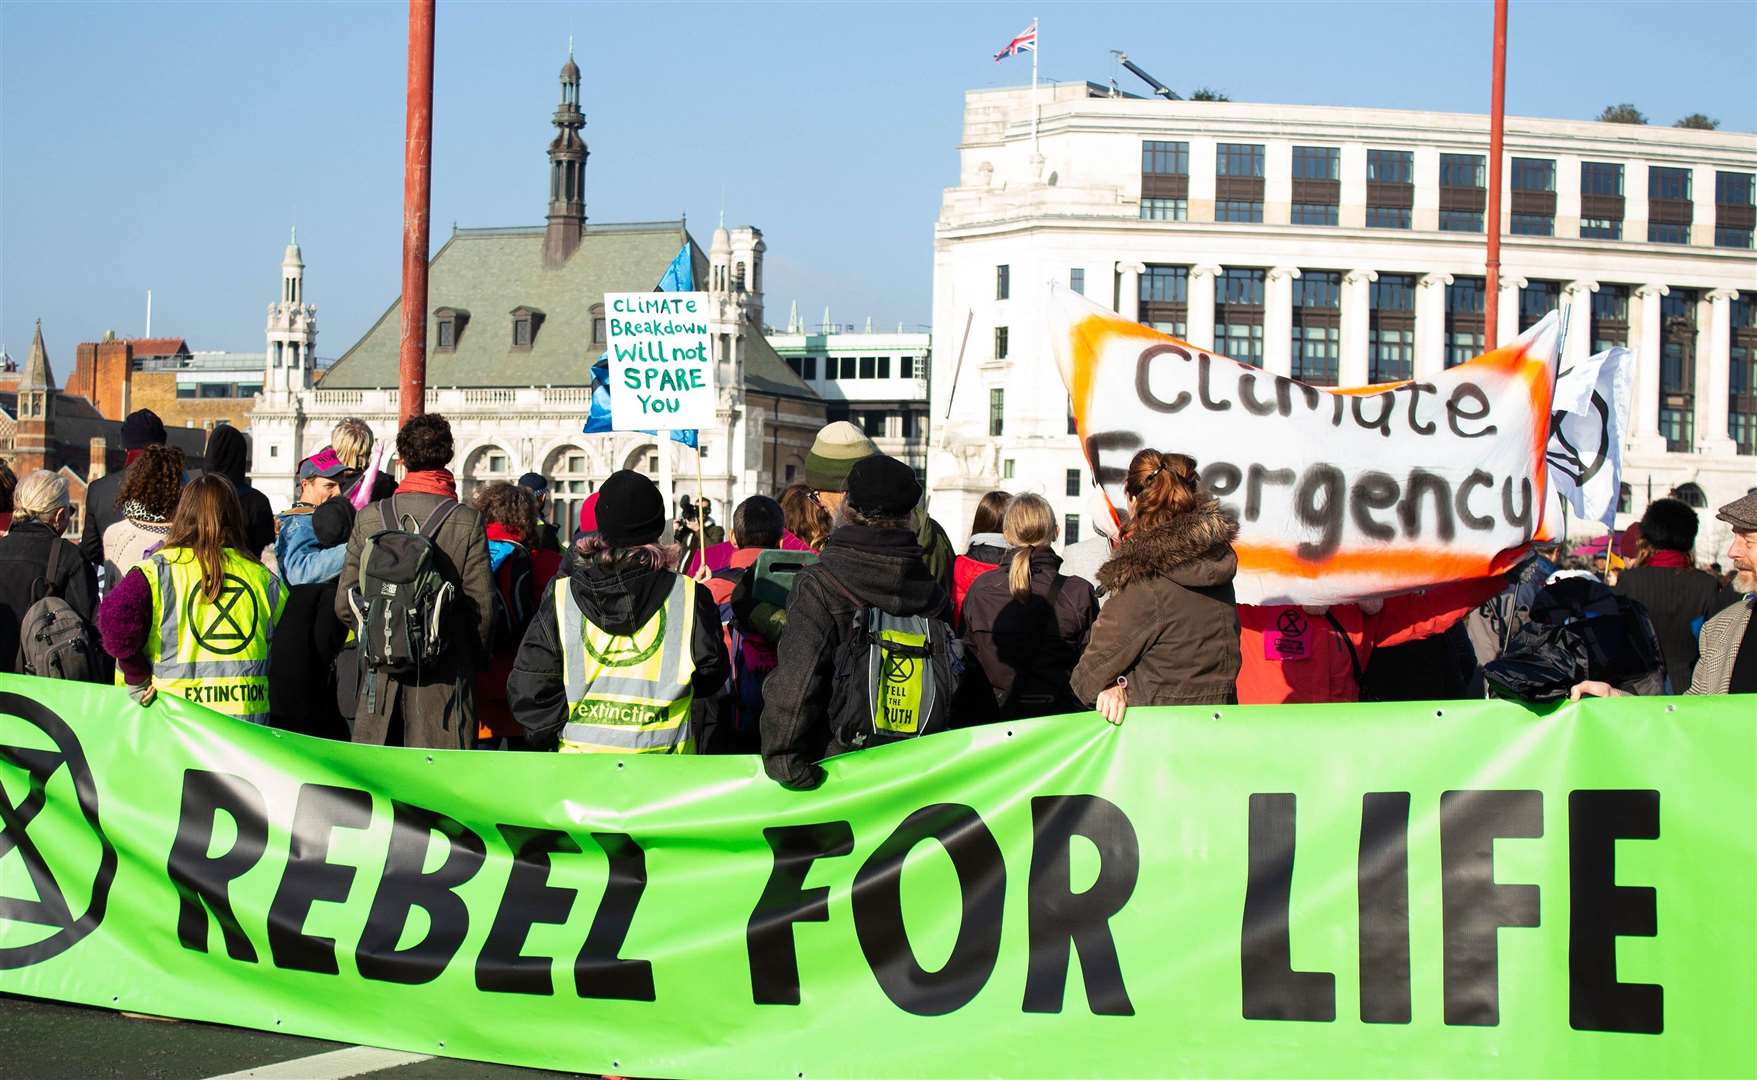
<point>1507,317</point>
<point>1577,303</point>
<point>1644,426</point>
<point>1712,378</point>
<point>1201,306</point>
<point>1430,324</point>
<point>1357,302</point>
<point>1278,319</point>
<point>1128,297</point>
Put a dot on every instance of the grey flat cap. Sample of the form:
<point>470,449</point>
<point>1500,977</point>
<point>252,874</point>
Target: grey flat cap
<point>1741,514</point>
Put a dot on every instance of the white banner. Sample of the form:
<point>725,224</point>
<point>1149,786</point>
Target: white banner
<point>661,371</point>
<point>1591,414</point>
<point>1340,494</point>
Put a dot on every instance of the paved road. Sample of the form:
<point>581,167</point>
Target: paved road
<point>42,1040</point>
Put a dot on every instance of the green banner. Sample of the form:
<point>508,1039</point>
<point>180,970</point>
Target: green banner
<point>1459,888</point>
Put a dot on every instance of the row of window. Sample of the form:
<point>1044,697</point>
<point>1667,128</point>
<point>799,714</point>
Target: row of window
<point>210,390</point>
<point>1316,173</point>
<point>856,367</point>
<point>876,423</point>
<point>449,325</point>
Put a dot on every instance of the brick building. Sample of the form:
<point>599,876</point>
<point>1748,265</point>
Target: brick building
<point>42,427</point>
<point>186,389</point>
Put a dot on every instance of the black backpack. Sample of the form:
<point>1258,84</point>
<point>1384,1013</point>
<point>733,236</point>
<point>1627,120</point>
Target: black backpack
<point>1578,630</point>
<point>53,641</point>
<point>401,600</point>
<point>513,601</point>
<point>895,676</point>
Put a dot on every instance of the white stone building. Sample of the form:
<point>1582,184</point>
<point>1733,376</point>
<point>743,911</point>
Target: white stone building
<point>1341,246</point>
<point>515,322</point>
<point>877,380</point>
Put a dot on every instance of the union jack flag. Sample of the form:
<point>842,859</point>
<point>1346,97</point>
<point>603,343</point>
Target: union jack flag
<point>1025,42</point>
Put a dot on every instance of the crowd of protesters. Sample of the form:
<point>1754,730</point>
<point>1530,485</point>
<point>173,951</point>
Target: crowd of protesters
<point>834,616</point>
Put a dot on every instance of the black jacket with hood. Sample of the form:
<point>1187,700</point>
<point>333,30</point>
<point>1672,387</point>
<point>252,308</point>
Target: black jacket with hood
<point>884,568</point>
<point>228,454</point>
<point>621,602</point>
<point>1024,650</point>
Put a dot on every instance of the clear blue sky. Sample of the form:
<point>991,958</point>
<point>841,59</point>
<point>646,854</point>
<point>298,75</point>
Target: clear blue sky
<point>169,146</point>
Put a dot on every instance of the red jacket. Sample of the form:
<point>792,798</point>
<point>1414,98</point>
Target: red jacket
<point>1292,656</point>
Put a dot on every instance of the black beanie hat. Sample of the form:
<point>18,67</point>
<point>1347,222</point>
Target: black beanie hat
<point>631,511</point>
<point>333,521</point>
<point>142,428</point>
<point>882,486</point>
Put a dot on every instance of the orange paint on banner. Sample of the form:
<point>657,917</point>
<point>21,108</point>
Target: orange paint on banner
<point>1423,564</point>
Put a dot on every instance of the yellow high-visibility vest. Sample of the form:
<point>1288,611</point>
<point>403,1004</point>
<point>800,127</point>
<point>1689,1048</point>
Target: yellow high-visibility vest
<point>213,653</point>
<point>628,694</point>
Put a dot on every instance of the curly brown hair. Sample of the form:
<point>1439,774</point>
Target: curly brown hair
<point>154,480</point>
<point>510,506</point>
<point>425,442</point>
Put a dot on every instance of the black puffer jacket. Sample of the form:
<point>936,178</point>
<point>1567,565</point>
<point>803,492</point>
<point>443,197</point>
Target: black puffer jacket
<point>620,602</point>
<point>884,568</point>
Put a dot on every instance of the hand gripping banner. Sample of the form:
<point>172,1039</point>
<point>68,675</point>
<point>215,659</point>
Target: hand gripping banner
<point>1340,494</point>
<point>1457,889</point>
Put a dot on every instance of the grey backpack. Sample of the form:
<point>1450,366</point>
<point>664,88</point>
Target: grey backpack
<point>53,641</point>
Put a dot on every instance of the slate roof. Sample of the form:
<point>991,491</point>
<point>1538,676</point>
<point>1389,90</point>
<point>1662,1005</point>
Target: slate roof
<point>490,272</point>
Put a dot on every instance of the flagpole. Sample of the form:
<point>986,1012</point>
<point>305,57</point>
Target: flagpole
<point>1036,37</point>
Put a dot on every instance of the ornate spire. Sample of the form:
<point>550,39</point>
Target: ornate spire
<point>567,171</point>
<point>37,373</point>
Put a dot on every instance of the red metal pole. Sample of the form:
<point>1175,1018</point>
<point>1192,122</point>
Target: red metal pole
<point>1497,113</point>
<point>417,192</point>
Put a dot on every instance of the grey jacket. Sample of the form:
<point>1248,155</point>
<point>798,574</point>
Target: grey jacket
<point>1720,647</point>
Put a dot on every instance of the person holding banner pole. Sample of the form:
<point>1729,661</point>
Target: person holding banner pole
<point>1169,634</point>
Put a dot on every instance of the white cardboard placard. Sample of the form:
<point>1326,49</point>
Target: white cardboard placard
<point>661,370</point>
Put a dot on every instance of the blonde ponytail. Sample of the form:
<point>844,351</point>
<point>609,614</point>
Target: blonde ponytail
<point>1019,574</point>
<point>1029,522</point>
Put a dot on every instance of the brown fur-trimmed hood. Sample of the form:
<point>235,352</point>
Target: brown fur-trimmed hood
<point>1193,549</point>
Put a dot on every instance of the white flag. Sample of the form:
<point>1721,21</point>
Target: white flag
<point>1591,413</point>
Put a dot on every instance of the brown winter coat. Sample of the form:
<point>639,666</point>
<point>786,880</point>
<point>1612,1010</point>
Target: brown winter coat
<point>439,711</point>
<point>1170,624</point>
